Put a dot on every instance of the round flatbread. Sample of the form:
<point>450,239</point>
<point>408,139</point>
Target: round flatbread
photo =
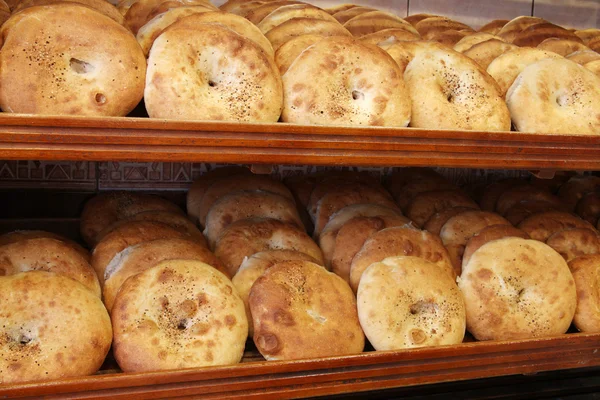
<point>577,187</point>
<point>50,317</point>
<point>485,52</point>
<point>563,47</point>
<point>512,28</point>
<point>588,208</point>
<point>102,6</point>
<point>304,26</point>
<point>471,40</point>
<point>517,289</point>
<point>17,236</point>
<point>543,225</point>
<point>178,314</point>
<point>586,273</point>
<point>375,21</point>
<point>435,223</point>
<point>389,36</point>
<point>494,27</point>
<point>583,57</point>
<point>285,13</point>
<point>408,302</point>
<point>426,204</point>
<point>526,192</point>
<point>300,310</point>
<point>573,243</point>
<point>290,50</point>
<point>527,208</point>
<point>488,234</point>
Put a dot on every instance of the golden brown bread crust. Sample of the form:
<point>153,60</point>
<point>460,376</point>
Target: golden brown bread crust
<point>533,35</point>
<point>240,7</point>
<point>105,209</point>
<point>429,27</point>
<point>143,11</point>
<point>399,241</point>
<point>50,317</point>
<point>175,220</point>
<point>256,14</point>
<point>517,289</point>
<point>586,273</point>
<point>235,183</point>
<point>344,16</point>
<point>102,6</point>
<point>426,204</point>
<point>356,84</point>
<point>300,310</point>
<point>352,236</point>
<point>332,180</point>
<point>250,91</point>
<point>178,314</point>
<point>490,195</point>
<point>345,195</point>
<point>16,236</point>
<point>513,27</point>
<point>449,38</point>
<point>576,187</point>
<point>290,50</point>
<point>488,234</point>
<point>254,266</point>
<point>145,255</point>
<point>583,57</point>
<point>304,26</point>
<point>588,207</point>
<point>248,204</point>
<point>375,21</point>
<point>51,255</point>
<point>457,231</point>
<point>572,243</point>
<point>249,236</point>
<point>127,235</point>
<point>340,7</point>
<point>389,36</point>
<point>586,35</point>
<point>416,18</point>
<point>543,225</point>
<point>407,302</point>
<point>494,27</point>
<point>47,69</point>
<point>411,189</point>
<point>564,47</point>
<point>471,40</point>
<point>435,223</point>
<point>201,185</point>
<point>526,192</point>
<point>401,177</point>
<point>485,52</point>
<point>288,12</point>
<point>526,208</point>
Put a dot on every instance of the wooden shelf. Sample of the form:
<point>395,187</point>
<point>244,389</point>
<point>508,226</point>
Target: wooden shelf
<point>142,139</point>
<point>367,371</point>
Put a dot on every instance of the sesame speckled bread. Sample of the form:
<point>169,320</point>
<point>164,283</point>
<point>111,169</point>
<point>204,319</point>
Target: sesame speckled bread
<point>17,236</point>
<point>47,321</point>
<point>235,183</point>
<point>586,273</point>
<point>254,266</point>
<point>517,289</point>
<point>102,6</point>
<point>145,255</point>
<point>300,310</point>
<point>249,236</point>
<point>356,84</point>
<point>290,50</point>
<point>469,98</point>
<point>506,67</point>
<point>352,236</point>
<point>555,96</point>
<point>407,302</point>
<point>148,33</point>
<point>399,241</point>
<point>105,209</point>
<point>573,243</point>
<point>348,194</point>
<point>248,204</point>
<point>220,83</point>
<point>543,225</point>
<point>425,205</point>
<point>488,234</point>
<point>304,26</point>
<point>340,218</point>
<point>287,12</point>
<point>457,231</point>
<point>485,52</point>
<point>74,75</point>
<point>175,220</point>
<point>47,254</point>
<point>178,314</point>
<point>127,235</point>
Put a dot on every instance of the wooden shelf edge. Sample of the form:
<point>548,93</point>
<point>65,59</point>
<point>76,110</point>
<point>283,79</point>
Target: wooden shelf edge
<point>135,139</point>
<point>337,375</point>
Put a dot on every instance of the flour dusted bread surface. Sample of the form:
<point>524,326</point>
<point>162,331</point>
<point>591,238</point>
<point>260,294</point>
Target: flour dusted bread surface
<point>249,236</point>
<point>47,69</point>
<point>488,234</point>
<point>38,345</point>
<point>469,98</point>
<point>573,243</point>
<point>178,314</point>
<point>17,236</point>
<point>290,50</point>
<point>304,26</point>
<point>560,97</point>
<point>140,257</point>
<point>142,11</point>
<point>353,235</point>
<point>105,209</point>
<point>485,52</point>
<point>399,241</point>
<point>47,254</point>
<point>102,6</point>
<point>300,310</point>
<point>343,82</point>
<point>506,67</point>
<point>517,289</point>
<point>218,80</point>
<point>127,235</point>
<point>586,273</point>
<point>248,204</point>
<point>543,225</point>
<point>407,302</point>
<point>426,204</point>
<point>254,266</point>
